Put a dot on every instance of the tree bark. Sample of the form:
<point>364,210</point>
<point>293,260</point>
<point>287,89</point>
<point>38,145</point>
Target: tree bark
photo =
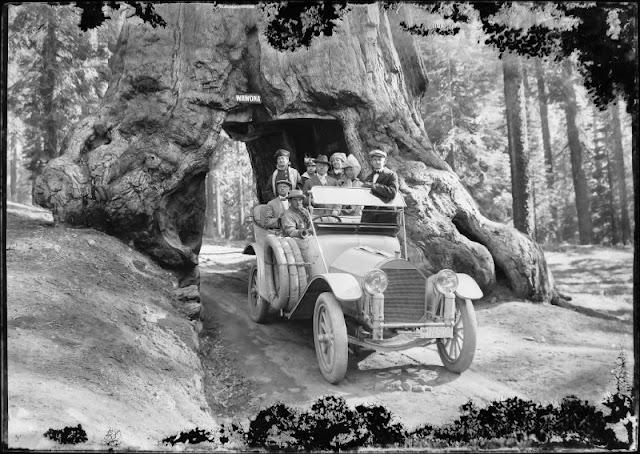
<point>546,141</point>
<point>48,85</point>
<point>585,228</point>
<point>13,172</point>
<point>602,204</point>
<point>219,207</point>
<point>516,113</point>
<point>210,214</point>
<point>617,164</point>
<point>129,167</point>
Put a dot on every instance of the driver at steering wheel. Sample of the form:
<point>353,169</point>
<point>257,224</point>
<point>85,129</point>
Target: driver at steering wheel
<point>296,221</point>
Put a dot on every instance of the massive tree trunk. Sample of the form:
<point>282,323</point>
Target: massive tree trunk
<point>521,181</point>
<point>136,167</point>
<point>546,141</point>
<point>585,228</point>
<point>617,165</point>
<point>47,85</point>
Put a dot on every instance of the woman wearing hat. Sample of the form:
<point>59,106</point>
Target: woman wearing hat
<point>351,172</point>
<point>284,171</point>
<point>338,161</point>
<point>350,180</point>
<point>310,165</point>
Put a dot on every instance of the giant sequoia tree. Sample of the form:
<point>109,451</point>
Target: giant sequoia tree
<point>136,167</point>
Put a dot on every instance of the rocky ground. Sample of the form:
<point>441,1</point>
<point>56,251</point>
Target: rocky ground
<point>93,338</point>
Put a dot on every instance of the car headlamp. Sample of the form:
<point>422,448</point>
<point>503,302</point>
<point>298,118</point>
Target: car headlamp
<point>446,281</point>
<point>375,281</point>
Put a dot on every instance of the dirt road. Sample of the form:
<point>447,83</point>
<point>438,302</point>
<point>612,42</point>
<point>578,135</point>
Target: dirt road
<point>524,349</point>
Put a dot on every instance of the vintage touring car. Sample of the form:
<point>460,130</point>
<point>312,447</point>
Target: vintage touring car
<point>354,280</point>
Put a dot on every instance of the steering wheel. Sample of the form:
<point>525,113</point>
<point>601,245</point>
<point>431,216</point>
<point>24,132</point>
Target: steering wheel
<point>327,216</point>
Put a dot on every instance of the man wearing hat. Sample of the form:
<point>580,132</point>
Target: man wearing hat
<point>321,178</point>
<point>277,206</point>
<point>284,171</point>
<point>296,221</point>
<point>310,164</point>
<point>382,181</point>
<point>384,185</point>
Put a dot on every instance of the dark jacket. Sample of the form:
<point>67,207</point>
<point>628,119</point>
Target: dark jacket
<point>386,186</point>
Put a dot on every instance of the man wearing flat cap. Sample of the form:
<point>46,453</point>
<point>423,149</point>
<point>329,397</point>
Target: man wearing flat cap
<point>284,171</point>
<point>277,207</point>
<point>296,221</point>
<point>384,185</point>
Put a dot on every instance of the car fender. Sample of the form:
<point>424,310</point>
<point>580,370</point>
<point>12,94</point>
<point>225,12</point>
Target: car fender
<point>467,287</point>
<point>254,249</point>
<point>345,287</point>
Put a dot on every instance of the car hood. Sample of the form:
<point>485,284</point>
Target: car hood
<point>359,260</point>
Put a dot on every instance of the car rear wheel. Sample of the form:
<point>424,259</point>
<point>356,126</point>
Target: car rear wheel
<point>457,352</point>
<point>258,306</point>
<point>330,338</point>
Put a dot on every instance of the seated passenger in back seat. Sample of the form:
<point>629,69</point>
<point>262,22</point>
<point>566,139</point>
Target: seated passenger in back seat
<point>277,207</point>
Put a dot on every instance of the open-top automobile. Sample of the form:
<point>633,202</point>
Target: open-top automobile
<point>354,280</point>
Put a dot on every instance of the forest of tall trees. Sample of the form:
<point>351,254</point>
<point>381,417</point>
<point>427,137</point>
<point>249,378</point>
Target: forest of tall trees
<point>521,133</point>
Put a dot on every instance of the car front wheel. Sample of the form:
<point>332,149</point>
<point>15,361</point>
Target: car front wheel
<point>330,338</point>
<point>457,352</point>
<point>258,306</point>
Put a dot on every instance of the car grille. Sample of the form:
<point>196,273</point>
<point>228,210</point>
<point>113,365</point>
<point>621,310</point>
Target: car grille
<point>404,297</point>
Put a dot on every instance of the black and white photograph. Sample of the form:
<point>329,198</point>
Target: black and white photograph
<point>320,226</point>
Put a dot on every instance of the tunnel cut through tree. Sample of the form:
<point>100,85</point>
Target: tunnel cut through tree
<point>136,167</point>
<point>301,136</point>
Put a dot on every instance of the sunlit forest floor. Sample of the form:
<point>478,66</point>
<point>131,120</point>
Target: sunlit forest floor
<point>597,277</point>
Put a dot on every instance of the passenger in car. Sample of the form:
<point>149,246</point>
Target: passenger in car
<point>296,221</point>
<point>284,171</point>
<point>384,185</point>
<point>277,206</point>
<point>350,180</point>
<point>321,178</point>
<point>338,160</point>
<point>310,164</point>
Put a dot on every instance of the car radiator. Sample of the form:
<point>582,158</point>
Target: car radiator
<point>404,299</point>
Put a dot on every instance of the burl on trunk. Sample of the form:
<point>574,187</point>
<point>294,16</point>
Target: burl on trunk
<point>136,167</point>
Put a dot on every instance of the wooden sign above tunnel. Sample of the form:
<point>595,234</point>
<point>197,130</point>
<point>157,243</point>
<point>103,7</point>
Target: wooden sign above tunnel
<point>249,98</point>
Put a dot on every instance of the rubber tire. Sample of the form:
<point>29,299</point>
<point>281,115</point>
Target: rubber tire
<point>469,329</point>
<point>257,306</point>
<point>302,270</point>
<point>327,308</point>
<point>278,292</point>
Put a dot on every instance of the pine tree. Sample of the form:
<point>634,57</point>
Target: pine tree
<point>61,76</point>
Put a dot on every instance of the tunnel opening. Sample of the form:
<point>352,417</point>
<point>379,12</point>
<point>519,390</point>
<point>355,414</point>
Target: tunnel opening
<point>301,136</point>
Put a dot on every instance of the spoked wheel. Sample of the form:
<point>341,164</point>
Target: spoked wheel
<point>457,352</point>
<point>330,338</point>
<point>258,306</point>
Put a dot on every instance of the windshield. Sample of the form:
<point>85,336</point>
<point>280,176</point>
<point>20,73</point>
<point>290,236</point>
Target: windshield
<point>352,196</point>
<point>336,209</point>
